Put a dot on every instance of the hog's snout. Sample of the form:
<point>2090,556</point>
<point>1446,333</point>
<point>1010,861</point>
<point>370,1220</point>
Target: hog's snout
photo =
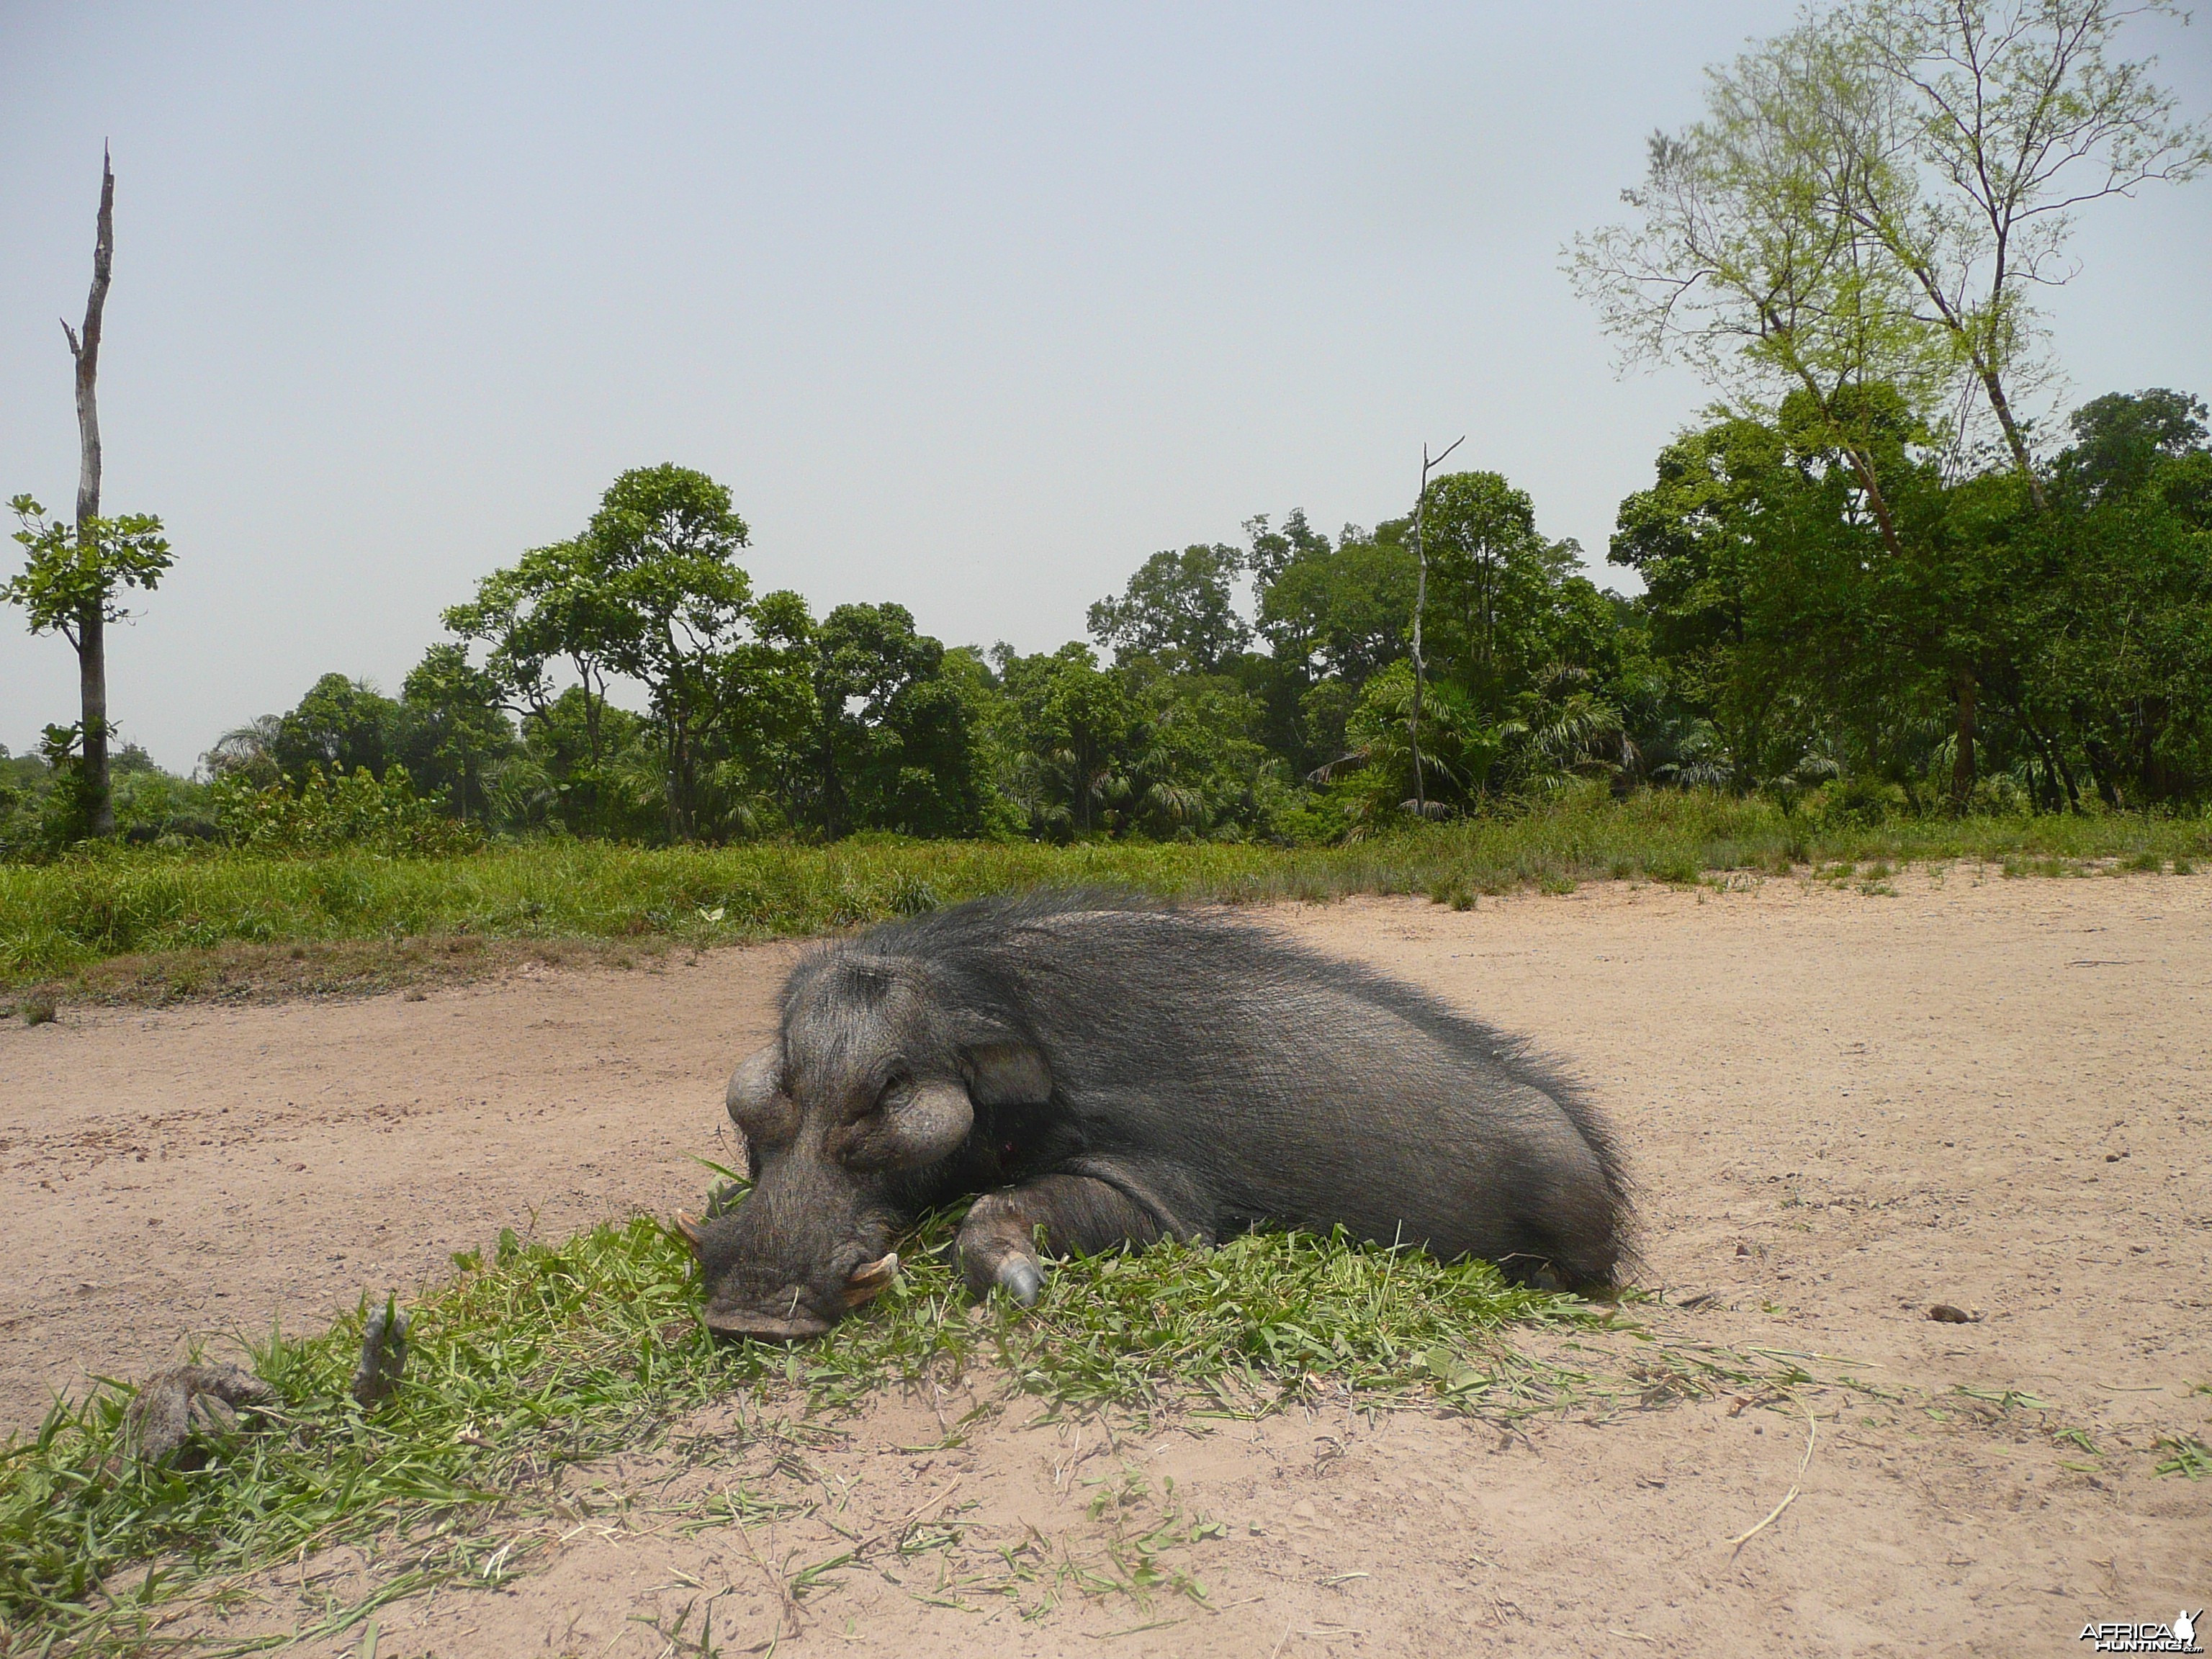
<point>794,1322</point>
<point>743,1303</point>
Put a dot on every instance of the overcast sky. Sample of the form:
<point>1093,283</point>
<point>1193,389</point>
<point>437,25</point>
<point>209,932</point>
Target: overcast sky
<point>972,307</point>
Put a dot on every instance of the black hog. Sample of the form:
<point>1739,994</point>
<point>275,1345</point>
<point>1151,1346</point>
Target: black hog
<point>1103,1070</point>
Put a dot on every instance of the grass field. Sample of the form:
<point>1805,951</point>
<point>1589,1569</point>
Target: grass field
<point>57,920</point>
<point>544,1356</point>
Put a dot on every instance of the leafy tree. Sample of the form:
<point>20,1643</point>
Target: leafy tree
<point>453,727</point>
<point>901,732</point>
<point>1178,604</point>
<point>649,590</point>
<point>554,781</point>
<point>2105,626</point>
<point>249,751</point>
<point>1492,582</point>
<point>1338,612</point>
<point>1992,125</point>
<point>72,584</point>
<point>1873,196</point>
<point>340,726</point>
<point>664,538</point>
<point>1068,732</point>
<point>2119,439</point>
<point>555,604</point>
<point>1375,778</point>
<point>1198,765</point>
<point>1707,539</point>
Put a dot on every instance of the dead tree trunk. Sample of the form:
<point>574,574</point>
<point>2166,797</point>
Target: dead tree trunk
<point>1420,604</point>
<point>97,801</point>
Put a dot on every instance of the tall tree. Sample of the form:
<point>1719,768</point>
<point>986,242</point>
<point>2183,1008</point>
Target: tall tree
<point>1342,611</point>
<point>665,539</point>
<point>554,604</point>
<point>1179,603</point>
<point>340,726</point>
<point>2002,121</point>
<point>1736,261</point>
<point>75,572</point>
<point>452,728</point>
<point>2119,439</point>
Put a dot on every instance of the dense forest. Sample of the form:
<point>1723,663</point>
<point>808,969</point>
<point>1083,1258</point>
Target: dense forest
<point>1263,689</point>
<point>1872,583</point>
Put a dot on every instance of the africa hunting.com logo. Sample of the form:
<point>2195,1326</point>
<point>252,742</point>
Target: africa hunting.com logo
<point>2179,1637</point>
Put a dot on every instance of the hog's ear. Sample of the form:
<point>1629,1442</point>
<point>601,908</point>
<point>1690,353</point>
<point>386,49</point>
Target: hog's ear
<point>756,1100</point>
<point>1008,1074</point>
<point>922,1126</point>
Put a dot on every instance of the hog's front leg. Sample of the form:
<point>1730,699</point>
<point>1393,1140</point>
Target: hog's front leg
<point>999,1242</point>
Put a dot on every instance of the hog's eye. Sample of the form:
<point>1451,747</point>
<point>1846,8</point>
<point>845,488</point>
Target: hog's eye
<point>894,1093</point>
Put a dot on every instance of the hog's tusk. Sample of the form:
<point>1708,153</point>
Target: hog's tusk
<point>870,1281</point>
<point>688,1224</point>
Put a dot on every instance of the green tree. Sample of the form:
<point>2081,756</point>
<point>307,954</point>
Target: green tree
<point>453,727</point>
<point>1068,731</point>
<point>555,604</point>
<point>1342,611</point>
<point>1854,228</point>
<point>665,539</point>
<point>1707,538</point>
<point>1989,127</point>
<point>1492,584</point>
<point>1777,609</point>
<point>2104,628</point>
<point>2120,439</point>
<point>72,584</point>
<point>340,726</point>
<point>650,591</point>
<point>891,741</point>
<point>1178,604</point>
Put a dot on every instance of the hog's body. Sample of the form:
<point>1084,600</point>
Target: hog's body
<point>1110,1070</point>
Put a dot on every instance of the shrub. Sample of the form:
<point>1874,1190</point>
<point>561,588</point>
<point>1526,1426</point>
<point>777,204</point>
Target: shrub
<point>349,809</point>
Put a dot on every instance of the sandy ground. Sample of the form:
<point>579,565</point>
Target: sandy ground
<point>1843,1107</point>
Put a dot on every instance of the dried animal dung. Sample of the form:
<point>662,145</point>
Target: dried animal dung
<point>383,1354</point>
<point>170,1408</point>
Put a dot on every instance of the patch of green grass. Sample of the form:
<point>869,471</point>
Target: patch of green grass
<point>549,1354</point>
<point>119,901</point>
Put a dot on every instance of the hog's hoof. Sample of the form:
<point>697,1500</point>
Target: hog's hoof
<point>1021,1279</point>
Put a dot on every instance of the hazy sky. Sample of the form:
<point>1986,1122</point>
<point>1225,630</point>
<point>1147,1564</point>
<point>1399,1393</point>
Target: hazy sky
<point>972,307</point>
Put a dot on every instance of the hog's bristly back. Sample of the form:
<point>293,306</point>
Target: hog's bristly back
<point>1227,1077</point>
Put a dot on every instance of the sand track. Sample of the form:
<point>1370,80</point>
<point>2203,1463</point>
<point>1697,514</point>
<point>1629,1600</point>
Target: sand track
<point>1842,1106</point>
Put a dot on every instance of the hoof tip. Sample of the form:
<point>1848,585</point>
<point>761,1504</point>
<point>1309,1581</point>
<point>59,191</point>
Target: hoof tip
<point>1022,1279</point>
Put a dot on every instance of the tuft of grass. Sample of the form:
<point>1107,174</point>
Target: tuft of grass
<point>37,1009</point>
<point>541,1355</point>
<point>2187,1455</point>
<point>174,914</point>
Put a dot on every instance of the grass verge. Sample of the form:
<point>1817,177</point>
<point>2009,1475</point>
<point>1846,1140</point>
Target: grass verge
<point>224,923</point>
<point>546,1355</point>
